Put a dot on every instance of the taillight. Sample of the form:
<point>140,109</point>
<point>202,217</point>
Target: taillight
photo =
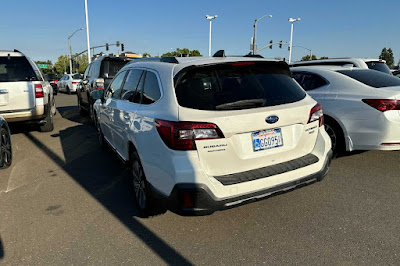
<point>182,135</point>
<point>99,84</point>
<point>317,113</point>
<point>383,105</point>
<point>39,91</point>
<point>74,82</point>
<point>242,63</point>
<point>56,81</point>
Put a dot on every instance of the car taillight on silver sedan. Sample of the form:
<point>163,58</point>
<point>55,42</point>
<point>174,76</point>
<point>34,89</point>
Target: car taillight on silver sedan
<point>99,84</point>
<point>182,135</point>
<point>383,105</point>
<point>317,113</point>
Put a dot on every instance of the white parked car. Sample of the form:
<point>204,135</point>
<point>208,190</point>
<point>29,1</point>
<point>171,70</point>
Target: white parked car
<point>205,134</point>
<point>375,64</point>
<point>24,93</point>
<point>361,106</point>
<point>69,82</point>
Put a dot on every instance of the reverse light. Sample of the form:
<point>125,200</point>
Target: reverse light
<point>182,135</point>
<point>39,93</point>
<point>383,105</point>
<point>317,113</point>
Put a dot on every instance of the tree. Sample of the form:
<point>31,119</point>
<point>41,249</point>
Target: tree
<point>387,55</point>
<point>324,57</point>
<point>62,64</point>
<point>182,52</point>
<point>146,55</point>
<point>307,58</point>
<point>82,62</point>
<point>49,68</point>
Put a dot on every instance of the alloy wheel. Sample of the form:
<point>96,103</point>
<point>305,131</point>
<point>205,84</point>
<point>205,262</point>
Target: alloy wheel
<point>139,184</point>
<point>332,134</point>
<point>5,148</point>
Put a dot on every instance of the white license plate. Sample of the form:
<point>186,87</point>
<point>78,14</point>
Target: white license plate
<point>267,139</point>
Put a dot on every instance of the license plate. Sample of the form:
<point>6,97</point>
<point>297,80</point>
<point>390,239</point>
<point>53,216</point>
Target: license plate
<point>267,139</point>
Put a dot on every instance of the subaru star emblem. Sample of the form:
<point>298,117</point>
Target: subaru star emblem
<point>271,119</point>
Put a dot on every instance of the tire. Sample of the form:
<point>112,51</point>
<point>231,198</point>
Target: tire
<point>68,91</point>
<point>336,135</point>
<point>49,125</point>
<point>100,137</point>
<point>82,111</point>
<point>144,199</point>
<point>91,114</point>
<point>5,148</point>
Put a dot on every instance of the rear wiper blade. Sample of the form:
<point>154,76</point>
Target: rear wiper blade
<point>241,103</point>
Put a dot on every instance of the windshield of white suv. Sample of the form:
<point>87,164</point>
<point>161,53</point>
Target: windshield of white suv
<point>380,66</point>
<point>236,86</point>
<point>14,69</point>
<point>372,78</point>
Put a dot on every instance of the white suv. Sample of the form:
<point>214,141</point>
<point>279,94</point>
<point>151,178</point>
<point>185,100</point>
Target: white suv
<point>24,93</point>
<point>206,134</point>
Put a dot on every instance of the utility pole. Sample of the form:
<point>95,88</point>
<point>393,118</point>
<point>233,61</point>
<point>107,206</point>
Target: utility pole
<point>210,18</point>
<point>87,33</point>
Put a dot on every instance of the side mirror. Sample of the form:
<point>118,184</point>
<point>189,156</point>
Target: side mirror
<point>97,94</point>
<point>85,82</point>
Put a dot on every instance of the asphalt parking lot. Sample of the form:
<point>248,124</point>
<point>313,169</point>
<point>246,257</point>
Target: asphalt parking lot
<point>65,201</point>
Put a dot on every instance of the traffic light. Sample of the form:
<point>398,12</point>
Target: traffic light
<point>270,44</point>
<point>280,44</point>
<point>106,46</point>
<point>122,47</point>
<point>288,47</point>
<point>117,43</point>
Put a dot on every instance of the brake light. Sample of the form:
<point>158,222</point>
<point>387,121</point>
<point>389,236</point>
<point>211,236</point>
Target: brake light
<point>317,113</point>
<point>56,81</point>
<point>99,84</point>
<point>39,91</point>
<point>383,105</point>
<point>243,63</point>
<point>182,135</point>
<point>74,82</point>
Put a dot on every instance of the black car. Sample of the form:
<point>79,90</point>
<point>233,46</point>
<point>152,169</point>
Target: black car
<point>396,73</point>
<point>98,76</point>
<point>53,80</point>
<point>5,144</point>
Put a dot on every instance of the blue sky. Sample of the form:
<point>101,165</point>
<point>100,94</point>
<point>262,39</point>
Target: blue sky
<point>357,28</point>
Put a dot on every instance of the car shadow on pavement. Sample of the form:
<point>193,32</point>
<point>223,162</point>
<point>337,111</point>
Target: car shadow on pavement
<point>102,175</point>
<point>1,249</point>
<point>71,113</point>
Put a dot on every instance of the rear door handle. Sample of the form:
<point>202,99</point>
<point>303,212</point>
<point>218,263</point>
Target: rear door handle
<point>3,91</point>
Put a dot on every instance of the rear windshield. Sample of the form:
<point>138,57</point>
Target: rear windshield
<point>372,78</point>
<point>77,76</point>
<point>111,68</point>
<point>380,66</point>
<point>14,69</point>
<point>236,86</point>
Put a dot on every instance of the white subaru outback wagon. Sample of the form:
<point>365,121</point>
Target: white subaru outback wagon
<point>205,134</point>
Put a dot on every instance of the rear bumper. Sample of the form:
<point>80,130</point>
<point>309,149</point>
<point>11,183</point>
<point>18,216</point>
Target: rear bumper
<point>198,199</point>
<point>36,113</point>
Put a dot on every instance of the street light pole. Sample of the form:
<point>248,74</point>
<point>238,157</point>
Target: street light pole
<point>210,18</point>
<point>255,33</point>
<point>87,33</point>
<point>292,21</point>
<point>69,48</point>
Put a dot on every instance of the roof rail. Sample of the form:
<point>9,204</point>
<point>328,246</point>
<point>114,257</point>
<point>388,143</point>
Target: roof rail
<point>16,51</point>
<point>253,55</point>
<point>169,59</point>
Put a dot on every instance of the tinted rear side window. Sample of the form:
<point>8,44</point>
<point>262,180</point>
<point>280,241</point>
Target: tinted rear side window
<point>380,66</point>
<point>14,69</point>
<point>111,67</point>
<point>372,78</point>
<point>236,86</point>
<point>151,91</point>
<point>77,76</point>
